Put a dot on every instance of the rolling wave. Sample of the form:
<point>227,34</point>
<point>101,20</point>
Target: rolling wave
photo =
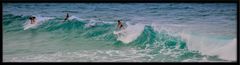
<point>158,44</point>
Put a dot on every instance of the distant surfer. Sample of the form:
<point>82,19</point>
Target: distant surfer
<point>32,18</point>
<point>119,25</point>
<point>66,18</point>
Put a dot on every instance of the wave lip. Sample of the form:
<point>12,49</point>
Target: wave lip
<point>131,33</point>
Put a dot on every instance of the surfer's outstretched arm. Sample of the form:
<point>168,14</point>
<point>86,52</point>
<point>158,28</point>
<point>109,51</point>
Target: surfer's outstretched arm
<point>34,19</point>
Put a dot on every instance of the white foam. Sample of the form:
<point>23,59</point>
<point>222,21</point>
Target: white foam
<point>74,17</point>
<point>228,51</point>
<point>39,21</point>
<point>90,24</point>
<point>131,33</point>
<point>208,46</point>
<point>122,55</point>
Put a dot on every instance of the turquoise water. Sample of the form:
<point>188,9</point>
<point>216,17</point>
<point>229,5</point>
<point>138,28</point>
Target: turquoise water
<point>155,32</point>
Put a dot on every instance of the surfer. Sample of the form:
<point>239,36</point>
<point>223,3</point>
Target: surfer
<point>32,18</point>
<point>120,25</point>
<point>66,18</point>
<point>119,28</point>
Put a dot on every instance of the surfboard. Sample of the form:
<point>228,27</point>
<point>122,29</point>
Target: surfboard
<point>28,24</point>
<point>119,32</point>
<point>39,21</point>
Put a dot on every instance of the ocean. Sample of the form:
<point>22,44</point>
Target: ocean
<point>154,32</point>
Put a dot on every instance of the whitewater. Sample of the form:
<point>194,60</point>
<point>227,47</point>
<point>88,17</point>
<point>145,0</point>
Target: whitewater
<point>155,32</point>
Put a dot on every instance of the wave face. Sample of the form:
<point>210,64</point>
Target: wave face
<point>82,40</point>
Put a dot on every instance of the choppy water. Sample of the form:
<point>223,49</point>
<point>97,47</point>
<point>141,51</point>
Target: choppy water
<point>155,32</point>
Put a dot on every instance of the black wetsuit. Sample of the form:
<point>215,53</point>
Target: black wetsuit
<point>66,17</point>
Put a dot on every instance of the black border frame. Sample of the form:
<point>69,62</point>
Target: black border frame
<point>130,1</point>
<point>121,1</point>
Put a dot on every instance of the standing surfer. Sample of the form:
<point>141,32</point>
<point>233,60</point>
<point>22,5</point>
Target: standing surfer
<point>120,25</point>
<point>32,18</point>
<point>66,18</point>
<point>120,28</point>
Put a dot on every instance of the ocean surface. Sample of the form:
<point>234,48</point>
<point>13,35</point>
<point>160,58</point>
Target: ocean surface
<point>154,32</point>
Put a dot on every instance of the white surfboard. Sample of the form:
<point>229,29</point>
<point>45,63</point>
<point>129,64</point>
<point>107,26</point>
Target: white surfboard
<point>120,33</point>
<point>29,25</point>
<point>130,33</point>
<point>38,21</point>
